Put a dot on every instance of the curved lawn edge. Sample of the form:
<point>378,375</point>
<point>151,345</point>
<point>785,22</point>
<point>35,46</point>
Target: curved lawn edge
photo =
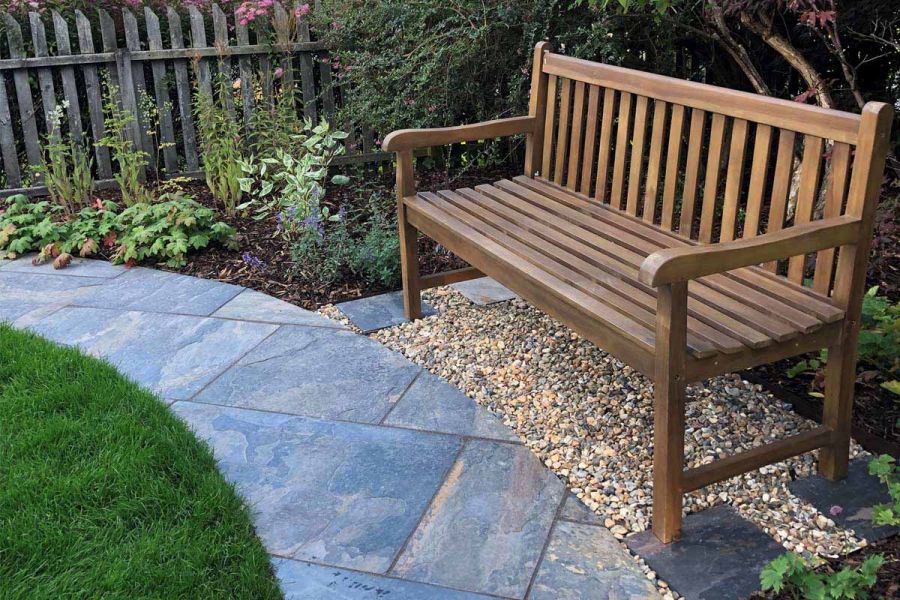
<point>106,493</point>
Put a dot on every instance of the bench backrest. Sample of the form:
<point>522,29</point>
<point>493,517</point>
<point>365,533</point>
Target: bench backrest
<point>708,163</point>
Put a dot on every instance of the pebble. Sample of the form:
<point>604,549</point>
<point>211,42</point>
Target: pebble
<point>589,418</point>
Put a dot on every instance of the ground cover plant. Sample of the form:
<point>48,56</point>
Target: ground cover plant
<point>106,493</point>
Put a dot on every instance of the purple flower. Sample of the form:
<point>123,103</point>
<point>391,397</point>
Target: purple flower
<point>836,510</point>
<point>278,225</point>
<point>314,223</point>
<point>342,214</point>
<point>254,262</point>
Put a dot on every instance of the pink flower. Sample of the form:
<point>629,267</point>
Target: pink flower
<point>302,10</point>
<point>279,72</point>
<point>836,510</point>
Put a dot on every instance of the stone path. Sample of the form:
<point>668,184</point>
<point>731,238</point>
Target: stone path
<point>367,476</point>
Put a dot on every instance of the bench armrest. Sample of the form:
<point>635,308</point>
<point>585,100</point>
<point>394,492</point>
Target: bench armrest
<point>690,262</point>
<point>410,139</point>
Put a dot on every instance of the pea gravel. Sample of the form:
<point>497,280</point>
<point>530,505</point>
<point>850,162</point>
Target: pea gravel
<point>589,418</point>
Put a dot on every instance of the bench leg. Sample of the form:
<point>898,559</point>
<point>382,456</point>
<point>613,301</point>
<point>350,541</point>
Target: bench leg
<point>840,377</point>
<point>668,410</point>
<point>409,266</point>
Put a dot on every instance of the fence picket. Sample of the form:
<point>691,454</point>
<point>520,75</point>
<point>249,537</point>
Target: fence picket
<point>161,90</point>
<point>282,22</point>
<point>133,43</point>
<point>220,31</point>
<point>307,75</point>
<point>198,40</point>
<point>183,90</point>
<point>70,89</point>
<point>45,75</point>
<point>245,71</point>
<point>8,141</point>
<point>94,95</point>
<point>108,39</point>
<point>23,97</point>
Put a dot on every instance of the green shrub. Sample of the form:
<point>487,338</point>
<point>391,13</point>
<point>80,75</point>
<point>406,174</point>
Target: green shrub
<point>220,144</point>
<point>791,573</point>
<point>885,468</point>
<point>130,161</point>
<point>66,167</point>
<point>321,257</point>
<point>29,226</point>
<point>167,229</point>
<point>377,256</point>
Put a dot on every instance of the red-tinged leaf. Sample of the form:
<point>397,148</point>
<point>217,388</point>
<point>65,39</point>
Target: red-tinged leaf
<point>97,203</point>
<point>109,240</point>
<point>805,96</point>
<point>88,248</point>
<point>62,261</point>
<point>130,263</point>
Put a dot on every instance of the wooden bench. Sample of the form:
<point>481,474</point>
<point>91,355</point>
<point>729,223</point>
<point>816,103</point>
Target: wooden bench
<point>672,223</point>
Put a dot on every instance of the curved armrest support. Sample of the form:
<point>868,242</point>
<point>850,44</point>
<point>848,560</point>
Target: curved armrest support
<point>410,139</point>
<point>690,262</point>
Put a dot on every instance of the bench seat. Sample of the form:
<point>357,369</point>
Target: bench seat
<point>580,260</point>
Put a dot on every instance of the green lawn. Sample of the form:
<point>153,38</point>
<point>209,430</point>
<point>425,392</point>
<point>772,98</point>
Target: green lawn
<point>104,493</point>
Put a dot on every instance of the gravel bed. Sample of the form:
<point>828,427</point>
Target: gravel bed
<point>589,418</point>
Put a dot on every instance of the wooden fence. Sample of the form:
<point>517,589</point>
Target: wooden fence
<point>156,60</point>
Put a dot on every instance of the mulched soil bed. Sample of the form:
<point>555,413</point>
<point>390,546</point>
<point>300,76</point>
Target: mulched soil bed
<point>257,238</point>
<point>888,585</point>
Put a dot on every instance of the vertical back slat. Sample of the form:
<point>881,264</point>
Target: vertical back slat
<point>161,90</point>
<point>654,160</point>
<point>183,91</point>
<point>109,42</point>
<point>67,73</point>
<point>713,171</point>
<point>133,43</point>
<point>562,134</point>
<point>23,96</point>
<point>761,148</point>
<point>673,160</point>
<point>94,95</point>
<point>575,137</point>
<point>806,196</point>
<point>198,40</point>
<point>549,124</point>
<point>8,140</point>
<point>692,171</point>
<point>618,181</point>
<point>637,155</point>
<point>590,139</point>
<point>287,66</point>
<point>242,35</point>
<point>733,179</point>
<point>45,75</point>
<point>307,74</point>
<point>220,35</point>
<point>781,185</point>
<point>837,188</point>
<point>325,82</point>
<point>605,147</point>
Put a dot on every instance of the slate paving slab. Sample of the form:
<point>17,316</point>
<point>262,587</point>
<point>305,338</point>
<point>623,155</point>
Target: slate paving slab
<point>855,495</point>
<point>343,494</point>
<point>577,511</point>
<point>304,581</point>
<point>487,525</point>
<point>45,289</point>
<point>251,305</point>
<point>173,355</point>
<point>484,291</point>
<point>585,562</point>
<point>78,267</point>
<point>160,291</point>
<point>316,372</point>
<point>377,312</point>
<point>718,557</point>
<point>432,404</point>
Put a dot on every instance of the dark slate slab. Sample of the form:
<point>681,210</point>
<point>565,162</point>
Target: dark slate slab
<point>432,404</point>
<point>79,267</point>
<point>45,289</point>
<point>316,372</point>
<point>718,557</point>
<point>484,290</point>
<point>486,527</point>
<point>160,291</point>
<point>173,355</point>
<point>251,305</point>
<point>577,511</point>
<point>304,581</point>
<point>856,496</point>
<point>377,312</point>
<point>342,494</point>
<point>585,562</point>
